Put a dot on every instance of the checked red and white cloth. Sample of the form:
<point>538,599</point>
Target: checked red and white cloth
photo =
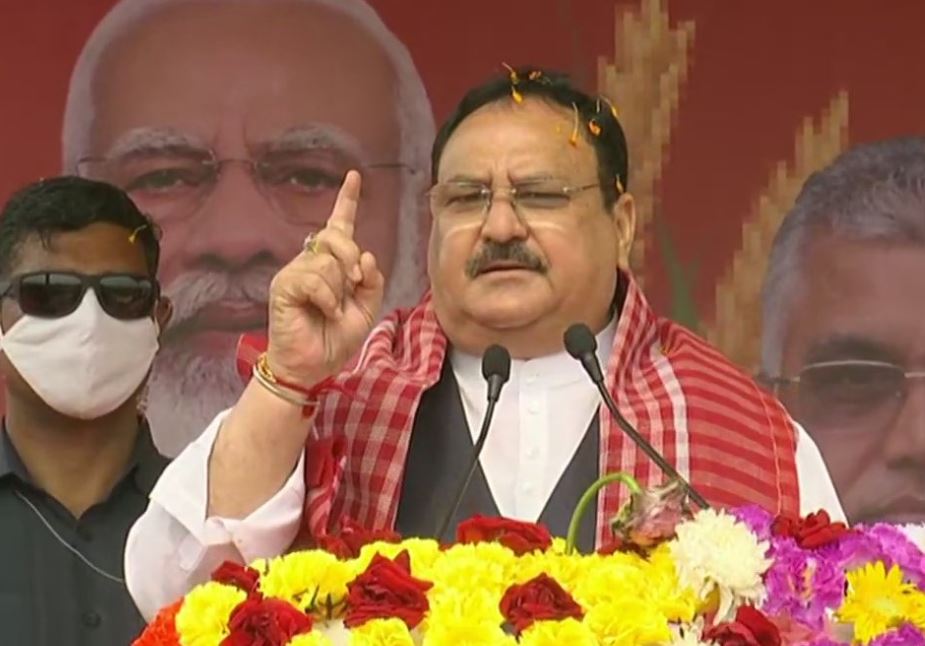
<point>734,442</point>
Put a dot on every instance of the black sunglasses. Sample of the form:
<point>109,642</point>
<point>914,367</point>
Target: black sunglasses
<point>53,294</point>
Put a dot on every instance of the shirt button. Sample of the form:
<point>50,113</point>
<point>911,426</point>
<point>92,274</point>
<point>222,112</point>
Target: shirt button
<point>91,619</point>
<point>533,408</point>
<point>527,488</point>
<point>532,453</point>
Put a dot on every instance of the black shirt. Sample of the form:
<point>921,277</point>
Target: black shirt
<point>48,595</point>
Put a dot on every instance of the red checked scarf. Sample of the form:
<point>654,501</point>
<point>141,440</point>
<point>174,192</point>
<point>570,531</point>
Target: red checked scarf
<point>734,443</point>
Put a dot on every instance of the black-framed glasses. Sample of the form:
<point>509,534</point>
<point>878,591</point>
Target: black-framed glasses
<point>53,294</point>
<point>472,199</point>
<point>172,184</point>
<point>848,392</point>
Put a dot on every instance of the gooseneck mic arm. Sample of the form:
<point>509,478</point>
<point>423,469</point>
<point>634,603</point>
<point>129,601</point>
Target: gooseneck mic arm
<point>581,344</point>
<point>496,369</point>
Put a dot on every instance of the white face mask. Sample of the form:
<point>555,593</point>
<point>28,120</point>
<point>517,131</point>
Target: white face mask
<point>83,365</point>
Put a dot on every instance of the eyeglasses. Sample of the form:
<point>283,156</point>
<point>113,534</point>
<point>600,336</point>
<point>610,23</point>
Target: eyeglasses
<point>54,294</point>
<point>471,199</point>
<point>849,393</point>
<point>171,185</point>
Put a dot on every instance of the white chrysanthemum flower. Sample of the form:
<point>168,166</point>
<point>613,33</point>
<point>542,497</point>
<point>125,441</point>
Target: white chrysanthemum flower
<point>916,534</point>
<point>715,553</point>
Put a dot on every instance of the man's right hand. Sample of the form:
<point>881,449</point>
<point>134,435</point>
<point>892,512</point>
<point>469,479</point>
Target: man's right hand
<point>324,303</point>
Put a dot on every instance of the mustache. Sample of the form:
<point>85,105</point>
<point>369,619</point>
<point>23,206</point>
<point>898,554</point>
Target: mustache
<point>191,292</point>
<point>515,251</point>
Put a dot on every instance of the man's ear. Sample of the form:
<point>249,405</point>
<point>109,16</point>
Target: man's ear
<point>624,222</point>
<point>163,312</point>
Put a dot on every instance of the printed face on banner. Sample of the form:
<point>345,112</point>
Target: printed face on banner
<point>856,337</point>
<point>233,127</point>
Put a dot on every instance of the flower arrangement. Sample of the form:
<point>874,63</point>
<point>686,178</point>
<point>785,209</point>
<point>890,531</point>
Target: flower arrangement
<point>672,577</point>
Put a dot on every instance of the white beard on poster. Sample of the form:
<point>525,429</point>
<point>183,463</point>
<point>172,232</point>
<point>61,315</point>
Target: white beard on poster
<point>188,387</point>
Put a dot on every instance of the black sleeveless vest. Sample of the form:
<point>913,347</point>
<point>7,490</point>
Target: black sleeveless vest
<point>440,450</point>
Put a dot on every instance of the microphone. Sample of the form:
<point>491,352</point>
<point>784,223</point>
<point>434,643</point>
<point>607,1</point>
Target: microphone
<point>496,369</point>
<point>581,344</point>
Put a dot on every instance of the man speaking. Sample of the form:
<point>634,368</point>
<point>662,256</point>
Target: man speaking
<point>532,228</point>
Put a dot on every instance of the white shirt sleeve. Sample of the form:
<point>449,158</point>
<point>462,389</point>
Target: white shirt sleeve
<point>816,489</point>
<point>173,546</point>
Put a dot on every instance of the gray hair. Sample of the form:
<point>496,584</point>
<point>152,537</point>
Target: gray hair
<point>412,107</point>
<point>874,191</point>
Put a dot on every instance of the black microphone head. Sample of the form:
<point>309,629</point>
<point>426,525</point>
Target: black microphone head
<point>579,340</point>
<point>496,362</point>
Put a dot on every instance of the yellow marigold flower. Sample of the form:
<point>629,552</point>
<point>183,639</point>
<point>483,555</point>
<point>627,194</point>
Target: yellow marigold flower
<point>467,633</point>
<point>612,578</point>
<point>688,635</point>
<point>555,633</point>
<point>877,600</point>
<point>628,621</point>
<point>716,552</point>
<point>314,638</point>
<point>381,632</point>
<point>567,569</point>
<point>460,605</point>
<point>485,566</point>
<point>665,592</point>
<point>203,618</point>
<point>312,580</point>
<point>558,546</point>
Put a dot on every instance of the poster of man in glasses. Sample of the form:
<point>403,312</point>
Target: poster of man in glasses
<point>843,342</point>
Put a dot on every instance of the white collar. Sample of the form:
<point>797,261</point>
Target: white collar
<point>553,370</point>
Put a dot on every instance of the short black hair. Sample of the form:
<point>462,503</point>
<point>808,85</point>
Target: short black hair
<point>596,120</point>
<point>68,203</point>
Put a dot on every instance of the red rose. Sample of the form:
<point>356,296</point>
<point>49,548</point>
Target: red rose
<point>811,532</point>
<point>518,536</point>
<point>265,622</point>
<point>241,577</point>
<point>387,589</point>
<point>750,628</point>
<point>351,539</point>
<point>538,599</point>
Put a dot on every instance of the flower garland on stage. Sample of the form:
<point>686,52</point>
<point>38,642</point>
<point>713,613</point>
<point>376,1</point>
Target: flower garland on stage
<point>672,577</point>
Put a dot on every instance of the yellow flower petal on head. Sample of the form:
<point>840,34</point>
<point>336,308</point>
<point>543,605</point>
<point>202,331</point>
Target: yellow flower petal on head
<point>203,618</point>
<point>381,632</point>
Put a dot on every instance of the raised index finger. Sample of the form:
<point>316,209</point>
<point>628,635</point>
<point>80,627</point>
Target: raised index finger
<point>344,213</point>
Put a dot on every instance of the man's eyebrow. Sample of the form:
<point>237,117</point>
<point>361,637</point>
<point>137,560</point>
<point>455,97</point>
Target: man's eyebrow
<point>141,141</point>
<point>316,137</point>
<point>839,347</point>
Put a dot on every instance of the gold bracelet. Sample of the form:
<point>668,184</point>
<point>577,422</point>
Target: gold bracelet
<point>280,392</point>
